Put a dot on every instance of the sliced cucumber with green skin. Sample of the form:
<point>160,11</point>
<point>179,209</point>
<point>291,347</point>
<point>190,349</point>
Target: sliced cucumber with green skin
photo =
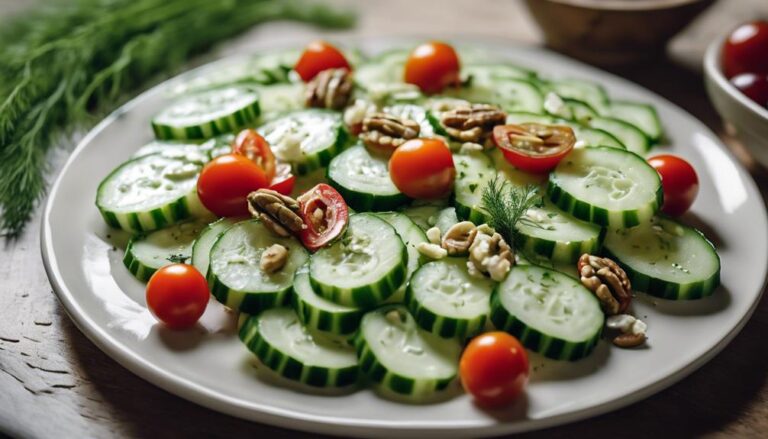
<point>666,259</point>
<point>579,110</point>
<point>321,314</point>
<point>643,116</point>
<point>446,300</point>
<point>145,254</point>
<point>423,215</point>
<point>412,236</point>
<point>363,180</point>
<point>201,249</point>
<point>400,357</point>
<point>510,95</point>
<point>548,311</point>
<point>586,91</point>
<point>493,73</point>
<point>550,233</point>
<point>446,219</point>
<point>415,113</point>
<point>235,277</point>
<point>307,139</point>
<point>606,186</point>
<point>283,344</point>
<point>151,192</point>
<point>280,98</point>
<point>207,114</point>
<point>589,136</point>
<point>630,136</point>
<point>173,149</point>
<point>515,176</point>
<point>364,267</point>
<point>473,171</point>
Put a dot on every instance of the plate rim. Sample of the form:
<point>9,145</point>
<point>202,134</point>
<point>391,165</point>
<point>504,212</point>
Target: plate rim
<point>223,403</point>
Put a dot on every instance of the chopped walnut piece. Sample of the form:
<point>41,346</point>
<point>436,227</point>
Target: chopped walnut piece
<point>273,258</point>
<point>384,132</point>
<point>277,211</point>
<point>608,281</point>
<point>473,123</point>
<point>331,88</point>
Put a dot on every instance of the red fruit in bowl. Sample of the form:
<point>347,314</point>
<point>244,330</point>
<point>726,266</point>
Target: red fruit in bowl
<point>753,86</point>
<point>746,50</point>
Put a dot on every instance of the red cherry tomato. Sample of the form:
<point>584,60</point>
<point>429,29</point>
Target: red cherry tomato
<point>679,182</point>
<point>284,180</point>
<point>432,67</point>
<point>753,86</point>
<point>494,369</point>
<point>746,50</point>
<point>177,295</point>
<point>319,56</point>
<point>325,215</point>
<point>534,147</point>
<point>226,181</point>
<point>252,145</point>
<point>423,168</point>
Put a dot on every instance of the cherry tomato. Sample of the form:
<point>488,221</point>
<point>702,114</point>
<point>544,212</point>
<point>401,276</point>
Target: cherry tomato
<point>284,180</point>
<point>252,145</point>
<point>679,182</point>
<point>226,181</point>
<point>423,168</point>
<point>746,50</point>
<point>432,67</point>
<point>319,56</point>
<point>177,295</point>
<point>753,86</point>
<point>494,368</point>
<point>325,214</point>
<point>534,147</point>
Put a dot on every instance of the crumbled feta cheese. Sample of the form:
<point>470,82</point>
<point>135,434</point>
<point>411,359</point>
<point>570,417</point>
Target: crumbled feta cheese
<point>553,104</point>
<point>470,147</point>
<point>622,322</point>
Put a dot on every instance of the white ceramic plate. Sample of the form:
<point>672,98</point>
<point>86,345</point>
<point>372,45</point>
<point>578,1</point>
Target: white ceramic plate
<point>210,366</point>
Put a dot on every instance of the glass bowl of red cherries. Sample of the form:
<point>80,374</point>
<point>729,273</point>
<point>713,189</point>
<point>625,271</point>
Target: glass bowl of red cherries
<point>736,73</point>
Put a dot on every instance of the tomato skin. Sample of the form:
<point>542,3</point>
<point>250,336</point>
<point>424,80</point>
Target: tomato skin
<point>226,181</point>
<point>536,165</point>
<point>319,56</point>
<point>423,168</point>
<point>494,369</point>
<point>251,144</point>
<point>745,50</point>
<point>530,160</point>
<point>177,295</point>
<point>284,180</point>
<point>432,67</point>
<point>753,86</point>
<point>335,219</point>
<point>679,182</point>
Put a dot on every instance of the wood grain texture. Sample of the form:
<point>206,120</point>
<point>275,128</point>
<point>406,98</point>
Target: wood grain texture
<point>56,383</point>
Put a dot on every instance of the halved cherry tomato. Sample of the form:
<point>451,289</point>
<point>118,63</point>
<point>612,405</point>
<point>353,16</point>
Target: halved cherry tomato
<point>226,181</point>
<point>325,214</point>
<point>746,50</point>
<point>534,147</point>
<point>252,145</point>
<point>678,181</point>
<point>494,368</point>
<point>432,67</point>
<point>284,180</point>
<point>423,168</point>
<point>319,56</point>
<point>177,295</point>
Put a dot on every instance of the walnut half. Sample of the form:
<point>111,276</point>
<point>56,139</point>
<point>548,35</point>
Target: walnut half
<point>608,281</point>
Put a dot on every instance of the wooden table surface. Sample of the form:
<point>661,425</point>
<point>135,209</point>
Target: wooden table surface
<point>55,383</point>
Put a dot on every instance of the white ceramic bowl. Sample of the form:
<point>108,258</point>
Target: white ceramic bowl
<point>748,118</point>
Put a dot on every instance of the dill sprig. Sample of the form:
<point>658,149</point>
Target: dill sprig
<point>506,205</point>
<point>69,61</point>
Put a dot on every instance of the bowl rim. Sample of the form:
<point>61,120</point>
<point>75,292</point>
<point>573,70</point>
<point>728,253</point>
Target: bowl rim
<point>622,5</point>
<point>713,70</point>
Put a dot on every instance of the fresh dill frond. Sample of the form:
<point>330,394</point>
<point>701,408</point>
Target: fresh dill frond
<point>506,205</point>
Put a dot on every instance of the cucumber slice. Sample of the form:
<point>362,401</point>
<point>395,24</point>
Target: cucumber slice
<point>146,254</point>
<point>589,92</point>
<point>492,74</point>
<point>579,110</point>
<point>411,236</point>
<point>207,114</point>
<point>550,312</point>
<point>548,232</point>
<point>398,356</point>
<point>234,275</point>
<point>423,215</point>
<point>630,136</point>
<point>473,171</point>
<point>307,139</point>
<point>280,98</point>
<point>283,344</point>
<point>606,186</point>
<point>321,314</point>
<point>643,116</point>
<point>415,113</point>
<point>174,149</point>
<point>201,249</point>
<point>589,136</point>
<point>510,95</point>
<point>446,219</point>
<point>446,300</point>
<point>151,192</point>
<point>363,180</point>
<point>364,267</point>
<point>666,259</point>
